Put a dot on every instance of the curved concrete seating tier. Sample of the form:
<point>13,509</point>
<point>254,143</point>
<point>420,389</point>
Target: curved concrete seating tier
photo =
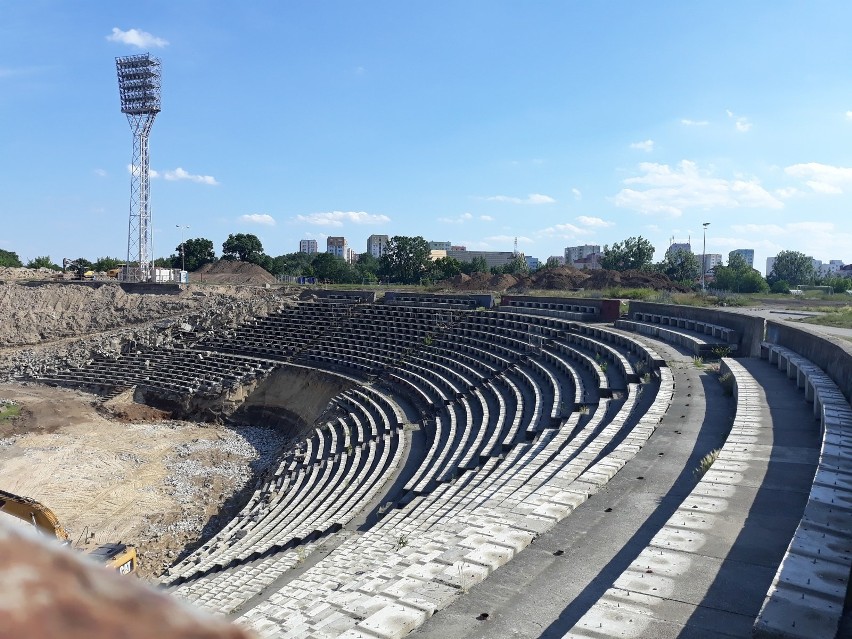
<point>699,343</point>
<point>807,596</point>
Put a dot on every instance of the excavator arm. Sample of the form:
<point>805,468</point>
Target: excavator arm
<point>34,513</point>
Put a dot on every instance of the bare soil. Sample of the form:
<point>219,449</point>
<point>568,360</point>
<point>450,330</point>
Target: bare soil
<point>134,477</point>
<point>231,272</point>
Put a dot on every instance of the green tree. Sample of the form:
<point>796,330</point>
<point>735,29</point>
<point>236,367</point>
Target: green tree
<point>196,253</point>
<point>8,258</point>
<point>793,267</point>
<point>166,262</point>
<point>405,260</point>
<point>634,253</point>
<point>43,261</point>
<point>739,277</point>
<point>476,265</point>
<point>552,262</point>
<point>244,247</point>
<point>838,284</point>
<point>104,264</point>
<point>680,266</point>
<point>329,267</point>
<point>293,264</point>
<point>516,266</point>
<point>444,268</point>
<point>367,268</point>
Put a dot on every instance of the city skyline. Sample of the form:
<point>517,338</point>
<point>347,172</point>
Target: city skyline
<point>555,123</point>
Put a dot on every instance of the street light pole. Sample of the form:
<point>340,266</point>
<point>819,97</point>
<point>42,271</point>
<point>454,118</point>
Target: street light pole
<point>182,228</point>
<point>704,256</point>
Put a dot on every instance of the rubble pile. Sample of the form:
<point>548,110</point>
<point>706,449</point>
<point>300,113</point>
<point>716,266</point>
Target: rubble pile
<point>43,324</point>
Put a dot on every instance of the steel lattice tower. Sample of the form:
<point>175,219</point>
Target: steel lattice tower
<point>139,88</point>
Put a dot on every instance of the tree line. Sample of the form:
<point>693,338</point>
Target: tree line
<point>406,260</point>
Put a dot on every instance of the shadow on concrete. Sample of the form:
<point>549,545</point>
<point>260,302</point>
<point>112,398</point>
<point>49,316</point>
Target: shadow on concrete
<point>712,433</point>
<point>749,567</point>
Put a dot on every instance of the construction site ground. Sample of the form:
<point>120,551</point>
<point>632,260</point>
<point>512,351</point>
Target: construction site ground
<point>123,472</point>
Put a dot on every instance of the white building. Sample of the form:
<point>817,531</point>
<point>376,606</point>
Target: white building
<point>377,245</point>
<point>492,258</point>
<point>440,246</point>
<point>337,246</point>
<point>574,253</point>
<point>711,261</point>
<point>746,254</point>
<point>308,246</point>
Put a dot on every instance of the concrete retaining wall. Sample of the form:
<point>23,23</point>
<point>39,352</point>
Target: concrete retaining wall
<point>832,354</point>
<point>749,329</point>
<point>484,300</point>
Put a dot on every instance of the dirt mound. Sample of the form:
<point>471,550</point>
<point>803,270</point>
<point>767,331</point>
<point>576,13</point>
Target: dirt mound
<point>9,273</point>
<point>232,272</point>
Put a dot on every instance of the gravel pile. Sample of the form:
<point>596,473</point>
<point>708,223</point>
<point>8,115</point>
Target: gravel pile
<point>237,455</point>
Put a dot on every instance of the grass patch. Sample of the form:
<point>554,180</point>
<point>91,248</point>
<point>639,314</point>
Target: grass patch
<point>706,462</point>
<point>9,411</point>
<point>839,316</point>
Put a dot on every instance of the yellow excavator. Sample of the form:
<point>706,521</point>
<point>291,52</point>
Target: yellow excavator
<point>118,556</point>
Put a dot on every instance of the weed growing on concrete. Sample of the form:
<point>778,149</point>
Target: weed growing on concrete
<point>698,362</point>
<point>301,554</point>
<point>721,351</point>
<point>706,462</point>
<point>646,378</point>
<point>727,382</point>
<point>401,542</point>
<point>604,366</point>
<point>583,409</point>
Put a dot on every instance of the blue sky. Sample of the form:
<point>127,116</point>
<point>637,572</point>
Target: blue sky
<point>556,122</point>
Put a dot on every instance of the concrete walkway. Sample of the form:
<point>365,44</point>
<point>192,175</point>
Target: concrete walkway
<point>548,588</point>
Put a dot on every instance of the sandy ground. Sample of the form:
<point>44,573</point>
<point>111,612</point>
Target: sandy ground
<point>154,484</point>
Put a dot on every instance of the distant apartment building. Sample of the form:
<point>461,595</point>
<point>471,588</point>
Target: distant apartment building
<point>308,246</point>
<point>711,261</point>
<point>831,268</point>
<point>574,253</point>
<point>591,262</point>
<point>492,258</point>
<point>440,246</point>
<point>674,247</point>
<point>533,263</point>
<point>377,245</point>
<point>770,264</point>
<point>458,248</point>
<point>746,254</point>
<point>337,246</point>
<point>560,259</point>
<point>351,256</point>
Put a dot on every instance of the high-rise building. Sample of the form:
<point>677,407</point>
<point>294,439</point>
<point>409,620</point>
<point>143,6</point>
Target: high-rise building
<point>533,263</point>
<point>308,246</point>
<point>711,261</point>
<point>574,253</point>
<point>674,247</point>
<point>492,258</point>
<point>746,254</point>
<point>770,264</point>
<point>337,246</point>
<point>377,245</point>
<point>440,246</point>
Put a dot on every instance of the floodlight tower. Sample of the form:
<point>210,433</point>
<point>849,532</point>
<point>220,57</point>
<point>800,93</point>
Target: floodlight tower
<point>139,89</point>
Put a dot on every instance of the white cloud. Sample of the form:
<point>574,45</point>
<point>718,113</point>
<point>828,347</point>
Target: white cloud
<point>787,192</point>
<point>532,198</point>
<point>100,173</point>
<point>486,218</point>
<point>849,115</point>
<point>741,123</point>
<point>688,122</point>
<point>565,231</point>
<point>647,146</point>
<point>461,219</point>
<point>597,222</point>
<point>338,218</point>
<point>258,218</point>
<point>576,193</point>
<point>179,174</point>
<point>670,191</point>
<point>822,178</point>
<point>136,38</point>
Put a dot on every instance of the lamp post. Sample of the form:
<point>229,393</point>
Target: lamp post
<point>704,256</point>
<point>182,228</point>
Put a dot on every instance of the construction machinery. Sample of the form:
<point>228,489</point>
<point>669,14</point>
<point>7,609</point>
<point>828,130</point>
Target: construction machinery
<point>117,556</point>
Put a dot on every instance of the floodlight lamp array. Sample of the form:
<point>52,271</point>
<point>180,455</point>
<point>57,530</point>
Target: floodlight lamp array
<point>139,84</point>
